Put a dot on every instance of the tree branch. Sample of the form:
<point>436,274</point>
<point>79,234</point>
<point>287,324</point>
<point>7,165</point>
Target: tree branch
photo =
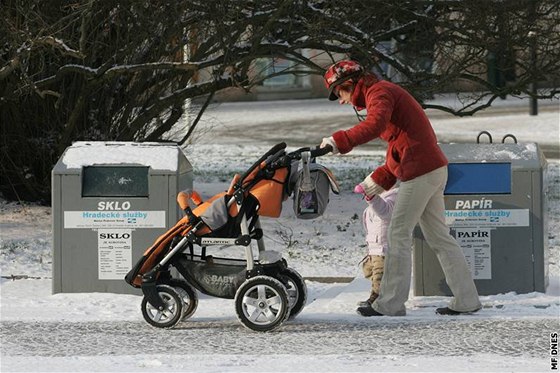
<point>197,119</point>
<point>178,96</point>
<point>11,66</point>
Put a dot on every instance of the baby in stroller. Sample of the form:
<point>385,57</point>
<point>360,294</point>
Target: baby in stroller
<point>266,291</point>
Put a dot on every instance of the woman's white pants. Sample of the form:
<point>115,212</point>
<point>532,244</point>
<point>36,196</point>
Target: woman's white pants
<point>420,201</point>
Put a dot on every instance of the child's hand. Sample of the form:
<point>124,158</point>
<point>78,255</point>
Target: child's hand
<point>359,189</point>
<point>370,188</point>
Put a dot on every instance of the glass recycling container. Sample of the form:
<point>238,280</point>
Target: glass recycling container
<point>110,201</point>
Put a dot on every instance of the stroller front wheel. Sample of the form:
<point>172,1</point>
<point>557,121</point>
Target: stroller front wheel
<point>261,303</point>
<point>170,315</point>
<point>188,295</point>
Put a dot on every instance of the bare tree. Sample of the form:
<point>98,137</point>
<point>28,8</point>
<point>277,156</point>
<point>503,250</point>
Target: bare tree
<point>122,70</point>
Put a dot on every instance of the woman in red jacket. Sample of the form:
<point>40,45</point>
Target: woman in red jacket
<point>414,158</point>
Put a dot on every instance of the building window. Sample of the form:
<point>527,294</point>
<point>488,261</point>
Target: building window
<point>267,66</point>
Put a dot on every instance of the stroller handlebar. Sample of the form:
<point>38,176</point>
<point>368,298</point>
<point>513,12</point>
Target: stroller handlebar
<point>282,160</point>
<point>274,150</point>
<point>318,152</point>
<point>276,157</point>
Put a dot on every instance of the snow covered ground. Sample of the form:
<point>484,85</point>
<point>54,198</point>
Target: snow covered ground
<point>106,332</point>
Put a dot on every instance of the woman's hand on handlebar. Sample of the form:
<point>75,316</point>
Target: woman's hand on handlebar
<point>329,141</point>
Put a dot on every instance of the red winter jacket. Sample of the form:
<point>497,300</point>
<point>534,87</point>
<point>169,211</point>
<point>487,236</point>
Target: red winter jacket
<point>397,118</point>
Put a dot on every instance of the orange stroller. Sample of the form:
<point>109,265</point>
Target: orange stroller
<point>266,291</point>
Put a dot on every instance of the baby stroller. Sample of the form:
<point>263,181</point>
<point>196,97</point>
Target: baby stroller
<point>266,291</point>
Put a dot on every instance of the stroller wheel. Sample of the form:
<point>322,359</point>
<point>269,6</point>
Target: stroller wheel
<point>188,296</point>
<point>297,290</point>
<point>172,313</point>
<point>261,303</point>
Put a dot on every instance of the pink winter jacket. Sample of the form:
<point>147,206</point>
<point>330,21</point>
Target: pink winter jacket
<point>376,219</point>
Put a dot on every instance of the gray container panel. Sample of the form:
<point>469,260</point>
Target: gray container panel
<point>78,261</point>
<point>512,253</point>
<point>539,224</point>
<point>511,269</point>
<point>56,233</point>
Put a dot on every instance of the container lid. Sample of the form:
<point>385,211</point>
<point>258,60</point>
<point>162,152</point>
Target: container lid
<point>158,156</point>
<point>522,155</point>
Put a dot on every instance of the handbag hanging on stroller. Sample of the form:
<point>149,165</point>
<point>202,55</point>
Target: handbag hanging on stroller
<point>311,191</point>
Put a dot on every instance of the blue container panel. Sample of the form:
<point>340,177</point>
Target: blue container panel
<point>479,178</point>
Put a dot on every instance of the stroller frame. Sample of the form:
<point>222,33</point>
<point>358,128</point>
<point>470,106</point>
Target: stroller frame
<point>266,291</point>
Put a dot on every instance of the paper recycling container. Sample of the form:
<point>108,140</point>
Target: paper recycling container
<point>496,207</point>
<point>110,201</point>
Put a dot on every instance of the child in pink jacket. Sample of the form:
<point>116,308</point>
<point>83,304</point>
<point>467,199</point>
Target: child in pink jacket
<point>376,219</point>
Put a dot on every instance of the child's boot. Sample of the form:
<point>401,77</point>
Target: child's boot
<point>367,303</point>
<point>376,265</point>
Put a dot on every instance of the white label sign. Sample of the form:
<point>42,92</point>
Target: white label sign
<point>114,219</point>
<point>475,243</point>
<point>487,218</point>
<point>114,253</point>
